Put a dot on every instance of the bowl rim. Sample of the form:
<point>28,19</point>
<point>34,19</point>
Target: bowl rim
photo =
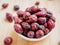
<point>34,39</point>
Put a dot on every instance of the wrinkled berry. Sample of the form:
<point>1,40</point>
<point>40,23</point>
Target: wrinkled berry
<point>26,15</point>
<point>46,31</point>
<point>42,20</point>
<point>20,13</point>
<point>30,34</point>
<point>25,25</point>
<point>18,28</point>
<point>39,33</point>
<point>32,18</point>
<point>17,20</point>
<point>34,26</point>
<point>33,9</point>
<point>41,13</point>
<point>5,5</point>
<point>50,24</point>
<point>49,14</point>
<point>8,41</point>
<point>42,27</point>
<point>53,18</point>
<point>9,17</point>
<point>37,3</point>
<point>16,7</point>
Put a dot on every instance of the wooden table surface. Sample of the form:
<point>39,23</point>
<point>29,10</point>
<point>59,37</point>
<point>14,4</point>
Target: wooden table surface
<point>6,28</point>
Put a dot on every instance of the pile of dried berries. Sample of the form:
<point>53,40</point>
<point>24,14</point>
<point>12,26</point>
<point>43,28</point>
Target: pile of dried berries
<point>34,22</point>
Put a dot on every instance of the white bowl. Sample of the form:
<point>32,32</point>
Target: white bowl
<point>34,39</point>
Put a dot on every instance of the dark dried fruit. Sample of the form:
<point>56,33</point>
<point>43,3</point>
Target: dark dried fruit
<point>37,3</point>
<point>18,28</point>
<point>39,34</point>
<point>32,18</point>
<point>16,7</point>
<point>46,31</point>
<point>20,13</point>
<point>53,18</point>
<point>42,13</point>
<point>33,9</point>
<point>34,26</point>
<point>5,5</point>
<point>17,20</point>
<point>25,25</point>
<point>50,24</point>
<point>8,41</point>
<point>42,20</point>
<point>26,15</point>
<point>30,34</point>
<point>9,17</point>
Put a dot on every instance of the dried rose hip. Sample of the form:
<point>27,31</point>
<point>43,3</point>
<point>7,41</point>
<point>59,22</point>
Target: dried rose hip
<point>37,3</point>
<point>16,7</point>
<point>46,31</point>
<point>42,13</point>
<point>33,9</point>
<point>32,18</point>
<point>18,28</point>
<point>30,34</point>
<point>17,20</point>
<point>26,15</point>
<point>5,5</point>
<point>53,18</point>
<point>8,41</point>
<point>41,27</point>
<point>42,20</point>
<point>39,34</point>
<point>9,17</point>
<point>20,13</point>
<point>50,24</point>
<point>25,25</point>
<point>34,26</point>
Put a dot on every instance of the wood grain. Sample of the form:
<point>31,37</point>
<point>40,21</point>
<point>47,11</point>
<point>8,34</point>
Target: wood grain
<point>6,28</point>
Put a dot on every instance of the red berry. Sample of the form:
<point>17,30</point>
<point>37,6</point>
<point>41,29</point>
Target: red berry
<point>9,17</point>
<point>41,27</point>
<point>53,18</point>
<point>34,26</point>
<point>25,25</point>
<point>42,20</point>
<point>20,13</point>
<point>17,20</point>
<point>32,18</point>
<point>26,15</point>
<point>49,14</point>
<point>8,41</point>
<point>30,34</point>
<point>46,31</point>
<point>18,28</point>
<point>42,13</point>
<point>50,24</point>
<point>33,9</point>
<point>5,5</point>
<point>39,33</point>
<point>37,3</point>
